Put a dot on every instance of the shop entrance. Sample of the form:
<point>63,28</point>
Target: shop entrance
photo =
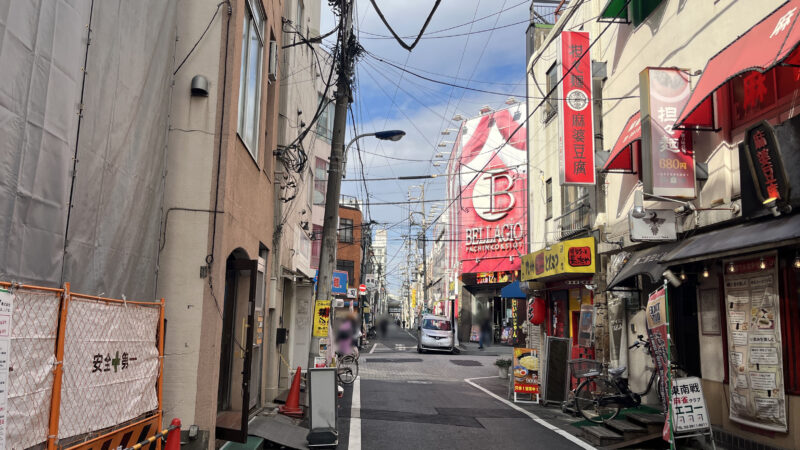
<point>235,361</point>
<point>685,329</point>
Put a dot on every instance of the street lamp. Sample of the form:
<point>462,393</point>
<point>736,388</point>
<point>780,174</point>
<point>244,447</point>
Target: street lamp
<point>329,225</point>
<point>386,135</point>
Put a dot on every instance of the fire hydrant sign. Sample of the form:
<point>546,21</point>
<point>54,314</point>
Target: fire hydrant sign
<point>6,306</point>
<point>689,412</point>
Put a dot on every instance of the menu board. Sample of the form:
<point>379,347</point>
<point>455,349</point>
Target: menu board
<point>525,369</point>
<point>757,395</point>
<point>688,406</point>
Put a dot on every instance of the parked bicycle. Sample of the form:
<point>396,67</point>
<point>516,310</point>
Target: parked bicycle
<point>600,398</point>
<point>346,368</point>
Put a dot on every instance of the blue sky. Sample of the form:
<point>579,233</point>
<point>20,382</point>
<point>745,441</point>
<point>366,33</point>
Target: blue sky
<point>387,98</point>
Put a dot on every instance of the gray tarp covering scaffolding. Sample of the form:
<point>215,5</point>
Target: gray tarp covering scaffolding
<point>112,241</point>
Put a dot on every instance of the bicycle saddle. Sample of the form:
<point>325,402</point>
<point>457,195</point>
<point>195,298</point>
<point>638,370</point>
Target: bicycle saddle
<point>616,372</point>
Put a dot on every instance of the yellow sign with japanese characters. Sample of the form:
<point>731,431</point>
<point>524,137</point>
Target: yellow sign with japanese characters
<point>322,317</point>
<point>575,256</point>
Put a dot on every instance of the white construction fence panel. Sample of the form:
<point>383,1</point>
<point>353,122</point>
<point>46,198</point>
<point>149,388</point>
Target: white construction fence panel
<point>110,365</point>
<point>32,358</point>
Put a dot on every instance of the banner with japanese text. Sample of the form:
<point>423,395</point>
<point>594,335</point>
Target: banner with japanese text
<point>576,132</point>
<point>110,365</point>
<point>667,157</point>
<point>322,317</point>
<point>757,394</point>
<point>658,335</point>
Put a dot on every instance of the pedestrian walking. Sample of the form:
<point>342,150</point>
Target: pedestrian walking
<point>485,339</point>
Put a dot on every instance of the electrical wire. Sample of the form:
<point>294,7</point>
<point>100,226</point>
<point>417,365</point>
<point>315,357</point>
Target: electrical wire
<point>484,91</point>
<point>216,11</point>
<point>400,41</point>
<point>530,114</point>
<point>487,30</point>
<point>455,26</point>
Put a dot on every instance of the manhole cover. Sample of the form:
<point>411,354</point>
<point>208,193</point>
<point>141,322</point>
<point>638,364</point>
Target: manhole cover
<point>466,362</point>
<point>394,360</point>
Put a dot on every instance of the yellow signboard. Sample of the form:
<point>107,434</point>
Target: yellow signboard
<point>322,317</point>
<point>413,298</point>
<point>576,256</point>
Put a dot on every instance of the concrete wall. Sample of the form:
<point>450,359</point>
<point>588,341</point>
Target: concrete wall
<point>186,236</point>
<point>245,194</point>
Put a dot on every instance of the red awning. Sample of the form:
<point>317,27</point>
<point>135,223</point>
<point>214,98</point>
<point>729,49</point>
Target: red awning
<point>767,44</point>
<point>621,159</point>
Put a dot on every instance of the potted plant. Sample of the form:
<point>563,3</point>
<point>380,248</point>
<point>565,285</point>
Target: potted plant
<point>503,365</point>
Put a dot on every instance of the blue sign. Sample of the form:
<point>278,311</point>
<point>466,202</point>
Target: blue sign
<point>338,282</point>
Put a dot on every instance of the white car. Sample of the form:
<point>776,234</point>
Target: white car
<point>435,333</point>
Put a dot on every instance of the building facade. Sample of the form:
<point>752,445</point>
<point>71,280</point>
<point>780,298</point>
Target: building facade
<point>691,192</point>
<point>301,145</point>
<point>222,321</point>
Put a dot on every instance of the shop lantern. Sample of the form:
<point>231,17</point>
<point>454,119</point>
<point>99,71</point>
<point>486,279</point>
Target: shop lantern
<point>536,311</point>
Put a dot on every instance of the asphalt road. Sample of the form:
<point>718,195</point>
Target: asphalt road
<point>406,400</point>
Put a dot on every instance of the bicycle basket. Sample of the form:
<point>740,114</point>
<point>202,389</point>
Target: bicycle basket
<point>578,368</point>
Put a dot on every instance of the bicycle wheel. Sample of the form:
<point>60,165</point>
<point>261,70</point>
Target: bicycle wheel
<point>347,369</point>
<point>591,397</point>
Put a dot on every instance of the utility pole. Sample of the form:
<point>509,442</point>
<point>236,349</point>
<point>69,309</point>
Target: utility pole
<point>327,260</point>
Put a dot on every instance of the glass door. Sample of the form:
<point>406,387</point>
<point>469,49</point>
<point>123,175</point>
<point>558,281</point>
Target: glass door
<point>236,350</point>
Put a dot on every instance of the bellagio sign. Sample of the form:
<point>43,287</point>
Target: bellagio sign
<point>492,181</point>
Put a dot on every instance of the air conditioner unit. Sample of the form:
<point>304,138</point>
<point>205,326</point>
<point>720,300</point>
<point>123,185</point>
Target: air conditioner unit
<point>272,68</point>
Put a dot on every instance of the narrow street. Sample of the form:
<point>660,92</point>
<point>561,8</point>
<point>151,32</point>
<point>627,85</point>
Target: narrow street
<point>407,400</point>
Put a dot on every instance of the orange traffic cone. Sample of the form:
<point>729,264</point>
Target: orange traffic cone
<point>292,407</point>
<point>174,436</point>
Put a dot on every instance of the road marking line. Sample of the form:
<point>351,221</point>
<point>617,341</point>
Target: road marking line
<point>533,416</point>
<point>409,333</point>
<point>354,438</point>
<point>373,348</point>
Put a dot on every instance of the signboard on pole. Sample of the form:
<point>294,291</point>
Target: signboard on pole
<point>576,133</point>
<point>362,289</point>
<point>657,226</point>
<point>371,281</point>
<point>322,317</point>
<point>766,163</point>
<point>667,156</point>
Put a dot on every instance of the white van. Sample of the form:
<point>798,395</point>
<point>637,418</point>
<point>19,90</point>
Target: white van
<point>434,333</point>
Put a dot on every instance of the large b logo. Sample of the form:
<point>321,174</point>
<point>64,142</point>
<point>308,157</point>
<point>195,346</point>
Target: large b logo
<point>492,196</point>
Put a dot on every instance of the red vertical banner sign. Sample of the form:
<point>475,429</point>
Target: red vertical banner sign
<point>577,127</point>
<point>667,156</point>
<point>658,333</point>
